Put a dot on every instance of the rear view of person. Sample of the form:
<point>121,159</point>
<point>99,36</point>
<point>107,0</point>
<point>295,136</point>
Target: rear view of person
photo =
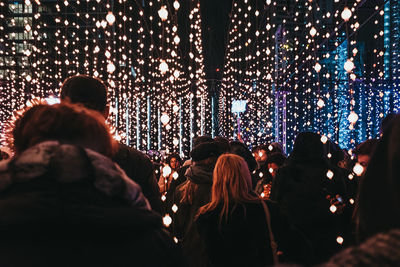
<point>378,212</point>
<point>92,93</point>
<point>234,227</point>
<point>63,202</point>
<point>310,191</point>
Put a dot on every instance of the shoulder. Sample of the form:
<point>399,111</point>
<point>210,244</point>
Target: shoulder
<point>381,249</point>
<point>125,153</point>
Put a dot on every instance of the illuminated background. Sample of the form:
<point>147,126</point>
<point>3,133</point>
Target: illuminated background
<point>175,67</point>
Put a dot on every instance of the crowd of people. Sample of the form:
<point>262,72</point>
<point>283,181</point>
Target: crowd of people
<point>70,195</point>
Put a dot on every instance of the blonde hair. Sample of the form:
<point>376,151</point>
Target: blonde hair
<point>231,183</point>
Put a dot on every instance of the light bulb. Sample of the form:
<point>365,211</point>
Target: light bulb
<point>164,118</point>
<point>313,31</point>
<point>346,14</point>
<point>353,117</point>
<point>110,67</point>
<point>349,65</point>
<point>358,169</point>
<point>166,171</point>
<point>176,5</point>
<point>320,103</point>
<point>163,13</point>
<point>317,67</point>
<point>110,18</point>
<point>163,66</point>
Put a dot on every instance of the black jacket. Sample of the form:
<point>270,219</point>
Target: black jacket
<point>139,168</point>
<point>68,206</point>
<point>199,178</point>
<point>301,190</point>
<point>243,239</point>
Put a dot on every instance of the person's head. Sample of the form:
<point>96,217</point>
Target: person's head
<point>231,184</point>
<point>379,192</point>
<point>364,151</point>
<point>88,91</point>
<point>275,161</point>
<point>260,153</point>
<point>205,153</point>
<point>66,123</point>
<point>174,161</point>
<point>240,149</point>
<point>308,147</point>
<point>223,143</point>
<point>201,139</point>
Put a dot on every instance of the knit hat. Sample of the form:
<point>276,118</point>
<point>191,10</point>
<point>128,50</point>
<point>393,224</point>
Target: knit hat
<point>205,150</point>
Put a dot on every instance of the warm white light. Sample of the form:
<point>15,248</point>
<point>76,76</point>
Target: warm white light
<point>333,208</point>
<point>346,14</point>
<point>349,65</point>
<point>340,240</point>
<point>320,103</point>
<point>353,117</point>
<point>176,5</point>
<point>313,31</point>
<point>174,208</point>
<point>110,67</point>
<point>177,39</point>
<point>163,13</point>
<point>110,18</point>
<point>167,220</point>
<point>317,67</point>
<point>164,118</point>
<point>358,169</point>
<point>176,73</point>
<point>329,174</point>
<point>163,66</point>
<point>166,171</point>
<point>324,139</point>
<point>175,175</point>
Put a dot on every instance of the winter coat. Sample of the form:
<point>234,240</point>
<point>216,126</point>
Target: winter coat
<point>63,205</point>
<point>201,178</point>
<point>301,189</point>
<point>382,249</point>
<point>243,239</point>
<point>140,169</point>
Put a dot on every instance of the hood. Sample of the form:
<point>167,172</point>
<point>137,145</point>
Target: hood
<point>200,174</point>
<point>69,164</point>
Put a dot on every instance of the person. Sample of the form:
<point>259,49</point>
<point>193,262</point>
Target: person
<point>193,194</point>
<point>233,225</point>
<point>274,162</point>
<point>172,164</point>
<point>65,203</point>
<point>310,191</point>
<point>364,151</point>
<point>92,93</point>
<point>378,212</point>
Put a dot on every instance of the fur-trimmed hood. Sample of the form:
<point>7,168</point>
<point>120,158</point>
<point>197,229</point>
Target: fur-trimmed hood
<point>69,164</point>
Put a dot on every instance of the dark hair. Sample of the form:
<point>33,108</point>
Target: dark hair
<point>88,91</point>
<point>337,154</point>
<point>308,148</point>
<point>69,123</point>
<point>379,193</point>
<point>240,149</point>
<point>223,143</point>
<point>173,155</point>
<point>201,139</point>
<point>367,147</point>
<point>277,158</point>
